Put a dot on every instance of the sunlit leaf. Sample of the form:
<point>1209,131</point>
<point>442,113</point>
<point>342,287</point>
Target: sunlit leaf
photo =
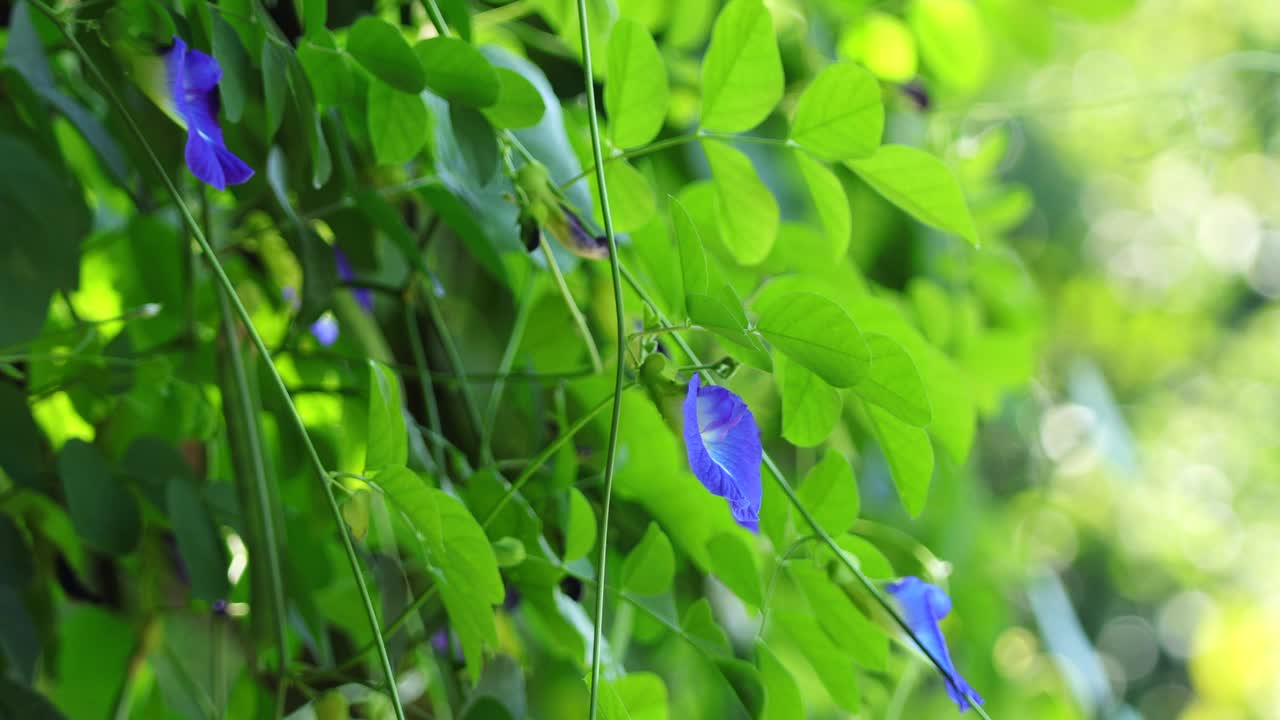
<point>818,334</point>
<point>518,105</point>
<point>650,566</point>
<point>810,407</point>
<point>747,213</point>
<point>910,456</point>
<point>580,530</point>
<point>920,184</point>
<point>893,382</point>
<point>388,443</point>
<point>839,115</point>
<point>742,71</point>
<point>382,50</point>
<point>636,93</point>
<point>830,493</point>
<point>455,70</point>
<point>733,561</point>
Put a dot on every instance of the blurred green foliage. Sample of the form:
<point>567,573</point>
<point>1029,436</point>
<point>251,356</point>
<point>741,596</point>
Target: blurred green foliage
<point>992,275</point>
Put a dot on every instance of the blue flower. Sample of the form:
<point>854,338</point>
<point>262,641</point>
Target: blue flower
<point>325,330</point>
<point>923,605</point>
<point>347,274</point>
<point>723,443</point>
<point>192,79</point>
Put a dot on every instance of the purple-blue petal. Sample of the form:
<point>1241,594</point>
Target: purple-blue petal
<point>325,330</point>
<point>723,445</point>
<point>192,81</point>
<point>347,274</point>
<point>923,606</point>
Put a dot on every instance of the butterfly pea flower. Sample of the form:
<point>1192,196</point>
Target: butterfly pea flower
<point>347,274</point>
<point>191,84</point>
<point>723,443</point>
<point>923,605</point>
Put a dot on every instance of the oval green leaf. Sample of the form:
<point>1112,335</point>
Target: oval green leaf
<point>810,407</point>
<point>746,212</point>
<point>840,115</point>
<point>894,383</point>
<point>398,124</point>
<point>457,71</point>
<point>830,492</point>
<point>817,334</point>
<point>920,184</point>
<point>519,104</point>
<point>651,565</point>
<point>636,93</point>
<point>103,511</point>
<point>742,71</point>
<point>382,50</point>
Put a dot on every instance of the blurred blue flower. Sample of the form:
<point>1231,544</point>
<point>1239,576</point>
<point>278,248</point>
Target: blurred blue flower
<point>347,274</point>
<point>923,605</point>
<point>325,330</point>
<point>192,78</point>
<point>723,443</point>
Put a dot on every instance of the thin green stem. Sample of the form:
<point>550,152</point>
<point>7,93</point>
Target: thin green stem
<point>424,383</point>
<point>530,470</point>
<point>451,351</point>
<point>807,516</point>
<point>245,410</point>
<point>523,309</point>
<point>597,151</point>
<point>578,319</point>
<point>225,282</point>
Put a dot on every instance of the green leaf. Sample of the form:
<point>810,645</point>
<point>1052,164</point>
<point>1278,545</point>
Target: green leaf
<point>782,699</point>
<point>22,445</point>
<point>953,41</point>
<point>747,213</point>
<point>884,44</point>
<point>724,316</point>
<point>868,557</point>
<point>199,543</point>
<point>398,124</point>
<point>810,407</point>
<point>830,493</point>
<point>734,561</point>
<point>635,696</point>
<point>275,84</point>
<point>832,664</point>
<point>693,260</point>
<point>893,383</point>
<point>45,218</point>
<point>313,14</point>
<point>382,50</point>
<point>519,104</point>
<point>910,456</point>
<point>631,198</point>
<point>388,444</point>
<point>700,623</point>
<point>920,184</point>
<point>742,71</point>
<point>103,511</point>
<point>651,565</point>
<point>580,530</point>
<point>842,621</point>
<point>456,71</point>
<point>831,202</point>
<point>20,701</point>
<point>234,62</point>
<point>326,67</point>
<point>636,93</point>
<point>817,334</point>
<point>839,115</point>
<point>465,568</point>
<point>476,141</point>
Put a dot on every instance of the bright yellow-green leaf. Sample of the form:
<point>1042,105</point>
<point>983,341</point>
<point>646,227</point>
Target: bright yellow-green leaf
<point>747,213</point>
<point>831,202</point>
<point>894,383</point>
<point>884,44</point>
<point>832,663</point>
<point>631,199</point>
<point>810,407</point>
<point>734,562</point>
<point>841,619</point>
<point>636,93</point>
<point>953,40</point>
<point>651,565</point>
<point>388,443</point>
<point>693,260</point>
<point>830,493</point>
<point>580,530</point>
<point>782,698</point>
<point>840,115</point>
<point>818,334</point>
<point>910,456</point>
<point>742,71</point>
<point>920,184</point>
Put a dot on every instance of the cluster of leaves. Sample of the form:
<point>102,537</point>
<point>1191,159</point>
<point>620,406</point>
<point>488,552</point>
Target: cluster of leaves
<point>157,489</point>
